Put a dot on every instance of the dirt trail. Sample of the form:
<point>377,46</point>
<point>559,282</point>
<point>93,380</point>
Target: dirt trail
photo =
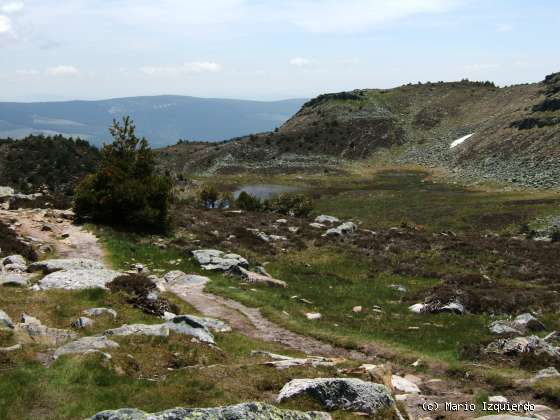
<point>48,227</point>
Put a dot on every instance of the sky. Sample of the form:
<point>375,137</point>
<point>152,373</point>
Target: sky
<point>267,49</point>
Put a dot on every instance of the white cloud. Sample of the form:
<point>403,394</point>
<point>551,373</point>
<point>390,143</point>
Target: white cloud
<point>63,71</point>
<point>300,61</point>
<point>5,25</point>
<point>11,6</point>
<point>186,68</point>
<point>504,27</point>
<point>28,72</point>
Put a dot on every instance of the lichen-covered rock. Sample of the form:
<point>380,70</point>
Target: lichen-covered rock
<point>160,330</point>
<point>187,325</point>
<point>84,345</point>
<point>340,394</point>
<point>78,279</point>
<point>212,259</point>
<point>245,411</point>
<point>50,266</point>
<point>5,320</point>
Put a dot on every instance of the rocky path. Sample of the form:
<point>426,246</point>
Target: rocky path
<point>55,229</point>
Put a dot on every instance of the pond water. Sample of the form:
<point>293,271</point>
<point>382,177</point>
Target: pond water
<point>266,191</point>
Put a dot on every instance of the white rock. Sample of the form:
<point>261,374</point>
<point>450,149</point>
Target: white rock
<point>50,266</point>
<point>84,345</point>
<point>417,308</point>
<point>357,309</point>
<point>100,311</point>
<point>212,259</point>
<point>14,259</point>
<point>78,279</point>
<point>161,330</point>
<point>498,399</point>
<point>5,320</point>
<point>82,322</point>
<point>317,225</point>
<point>404,385</point>
<point>313,315</point>
<point>326,219</point>
<point>344,229</point>
<point>180,278</point>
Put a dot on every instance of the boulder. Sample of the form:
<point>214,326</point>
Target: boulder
<point>178,277</point>
<point>14,259</point>
<point>344,229</point>
<point>326,219</point>
<point>188,326</point>
<point>527,322</point>
<point>6,192</point>
<point>82,322</point>
<point>504,328</point>
<point>5,320</point>
<point>160,330</point>
<point>245,411</point>
<point>50,266</point>
<point>404,385</point>
<point>78,279</point>
<point>84,345</point>
<point>520,345</point>
<point>100,311</point>
<point>550,372</point>
<point>36,332</point>
<point>340,394</point>
<point>15,268</point>
<point>212,259</point>
<point>252,277</point>
<point>14,279</point>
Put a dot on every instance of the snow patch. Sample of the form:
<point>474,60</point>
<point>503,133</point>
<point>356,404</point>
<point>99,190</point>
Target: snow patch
<point>461,140</point>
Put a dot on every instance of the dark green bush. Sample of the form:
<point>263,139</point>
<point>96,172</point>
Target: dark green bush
<point>125,190</point>
<point>298,205</point>
<point>209,197</point>
<point>248,202</point>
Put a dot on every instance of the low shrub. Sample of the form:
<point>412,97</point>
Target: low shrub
<point>248,202</point>
<point>299,205</point>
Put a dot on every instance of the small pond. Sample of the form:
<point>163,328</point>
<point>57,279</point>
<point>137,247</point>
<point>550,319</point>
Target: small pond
<point>266,191</point>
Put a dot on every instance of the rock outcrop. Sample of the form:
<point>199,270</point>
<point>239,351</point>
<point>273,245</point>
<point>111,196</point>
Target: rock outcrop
<point>85,345</point>
<point>50,266</point>
<point>212,259</point>
<point>76,279</point>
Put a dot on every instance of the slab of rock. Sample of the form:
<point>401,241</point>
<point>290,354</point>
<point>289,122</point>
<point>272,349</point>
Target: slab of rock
<point>520,345</point>
<point>245,411</point>
<point>340,394</point>
<point>5,320</point>
<point>344,229</point>
<point>100,311</point>
<point>178,277</point>
<point>36,332</point>
<point>317,225</point>
<point>284,362</point>
<point>212,259</point>
<point>84,345</point>
<point>78,279</point>
<point>404,385</point>
<point>326,219</point>
<point>527,322</point>
<point>550,372</point>
<point>252,277</point>
<point>82,322</point>
<point>188,326</point>
<point>504,328</point>
<point>160,330</point>
<point>50,266</point>
<point>210,323</point>
<point>14,279</point>
<point>14,259</point>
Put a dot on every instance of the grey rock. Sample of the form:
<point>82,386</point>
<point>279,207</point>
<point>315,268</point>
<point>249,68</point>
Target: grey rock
<point>212,259</point>
<point>185,324</point>
<point>5,320</point>
<point>50,266</point>
<point>280,361</point>
<point>6,192</point>
<point>82,322</point>
<point>84,345</point>
<point>14,279</point>
<point>550,372</point>
<point>340,394</point>
<point>521,345</point>
<point>210,323</point>
<point>78,279</point>
<point>38,333</point>
<point>178,277</point>
<point>454,307</point>
<point>252,277</point>
<point>317,225</point>
<point>15,268</point>
<point>160,330</point>
<point>528,322</point>
<point>326,219</point>
<point>14,259</point>
<point>245,411</point>
<point>344,229</point>
<point>15,347</point>
<point>100,311</point>
<point>504,328</point>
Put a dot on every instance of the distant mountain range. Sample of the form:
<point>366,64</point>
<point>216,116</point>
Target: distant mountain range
<point>162,119</point>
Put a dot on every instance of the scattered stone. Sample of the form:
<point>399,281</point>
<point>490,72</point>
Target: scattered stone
<point>528,322</point>
<point>100,311</point>
<point>357,309</point>
<point>344,229</point>
<point>550,372</point>
<point>82,322</point>
<point>36,332</point>
<point>326,219</point>
<point>5,320</point>
<point>504,328</point>
<point>160,330</point>
<point>340,394</point>
<point>252,277</point>
<point>212,259</point>
<point>245,411</point>
<point>50,266</point>
<point>317,225</point>
<point>520,345</point>
<point>293,229</point>
<point>313,315</point>
<point>281,221</point>
<point>437,307</point>
<point>84,345</point>
<point>398,287</point>
<point>404,385</point>
<point>76,279</point>
<point>284,362</point>
<point>139,268</point>
<point>188,326</point>
<point>210,323</point>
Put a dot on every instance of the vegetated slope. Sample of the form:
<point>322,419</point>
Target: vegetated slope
<point>162,119</point>
<point>57,162</point>
<point>515,129</point>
